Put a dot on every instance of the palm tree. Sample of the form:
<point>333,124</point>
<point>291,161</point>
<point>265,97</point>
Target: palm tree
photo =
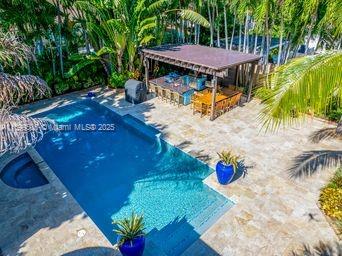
<point>17,132</point>
<point>306,85</point>
<point>124,26</point>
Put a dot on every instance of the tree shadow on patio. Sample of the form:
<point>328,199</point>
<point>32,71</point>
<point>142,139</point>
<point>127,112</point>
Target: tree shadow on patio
<point>90,251</point>
<point>324,134</point>
<point>309,162</point>
<point>320,249</point>
<point>199,154</point>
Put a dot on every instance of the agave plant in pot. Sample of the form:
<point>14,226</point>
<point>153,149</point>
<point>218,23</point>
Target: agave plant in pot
<point>131,236</point>
<point>226,167</point>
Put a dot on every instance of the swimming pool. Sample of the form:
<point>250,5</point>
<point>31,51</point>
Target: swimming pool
<point>111,173</point>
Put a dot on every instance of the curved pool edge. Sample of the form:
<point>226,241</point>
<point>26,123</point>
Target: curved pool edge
<point>7,159</point>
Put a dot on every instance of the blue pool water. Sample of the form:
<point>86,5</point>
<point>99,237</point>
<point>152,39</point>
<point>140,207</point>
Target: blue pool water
<point>112,173</point>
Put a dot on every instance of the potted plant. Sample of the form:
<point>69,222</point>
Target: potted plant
<point>131,236</point>
<point>226,167</point>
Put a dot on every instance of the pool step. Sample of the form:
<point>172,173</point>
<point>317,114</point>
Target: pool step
<point>209,216</point>
<point>22,160</point>
<point>175,240</point>
<point>178,237</point>
<point>140,127</point>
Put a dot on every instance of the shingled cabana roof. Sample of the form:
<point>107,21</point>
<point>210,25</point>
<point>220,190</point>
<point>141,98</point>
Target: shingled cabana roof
<point>200,58</point>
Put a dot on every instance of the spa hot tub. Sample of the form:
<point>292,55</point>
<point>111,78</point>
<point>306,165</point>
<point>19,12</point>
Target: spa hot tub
<point>23,172</point>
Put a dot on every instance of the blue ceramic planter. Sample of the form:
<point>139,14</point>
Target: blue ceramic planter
<point>225,173</point>
<point>134,247</point>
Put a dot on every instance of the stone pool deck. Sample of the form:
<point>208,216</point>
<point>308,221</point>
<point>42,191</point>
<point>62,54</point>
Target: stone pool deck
<point>273,215</point>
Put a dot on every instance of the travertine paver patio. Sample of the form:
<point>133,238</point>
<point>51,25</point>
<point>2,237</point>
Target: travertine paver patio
<point>273,213</point>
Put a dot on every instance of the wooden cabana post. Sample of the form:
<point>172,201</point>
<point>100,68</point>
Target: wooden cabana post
<point>213,98</point>
<point>146,65</point>
<point>253,72</point>
<point>202,59</point>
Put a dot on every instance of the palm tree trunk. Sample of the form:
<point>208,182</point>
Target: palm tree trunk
<point>280,40</point>
<point>240,35</point>
<point>86,39</point>
<point>211,26</point>
<point>308,41</point>
<point>318,40</point>
<point>182,31</point>
<point>119,61</point>
<point>195,33</point>
<point>312,22</point>
<point>233,31</point>
<point>255,43</point>
<point>262,45</point>
<point>60,50</point>
<point>225,26</point>
<point>245,34</point>
<point>288,49</point>
<point>267,40</point>
<point>218,28</point>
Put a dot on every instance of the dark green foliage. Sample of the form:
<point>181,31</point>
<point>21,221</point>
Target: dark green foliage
<point>118,80</point>
<point>335,114</point>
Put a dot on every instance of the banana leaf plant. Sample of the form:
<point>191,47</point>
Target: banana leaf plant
<point>101,57</point>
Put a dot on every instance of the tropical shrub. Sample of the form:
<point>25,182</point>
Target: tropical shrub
<point>330,199</point>
<point>118,80</point>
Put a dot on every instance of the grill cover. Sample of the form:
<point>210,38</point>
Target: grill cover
<point>135,91</point>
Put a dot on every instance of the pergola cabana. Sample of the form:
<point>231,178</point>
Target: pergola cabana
<point>203,59</point>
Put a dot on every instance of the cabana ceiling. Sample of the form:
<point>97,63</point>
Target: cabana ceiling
<point>200,58</point>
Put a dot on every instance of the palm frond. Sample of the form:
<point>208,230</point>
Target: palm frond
<point>13,52</point>
<point>146,27</point>
<point>194,17</point>
<point>19,87</point>
<point>146,39</point>
<point>325,133</point>
<point>104,50</point>
<point>156,6</point>
<point>76,68</point>
<point>312,161</point>
<point>305,85</point>
<point>17,132</point>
